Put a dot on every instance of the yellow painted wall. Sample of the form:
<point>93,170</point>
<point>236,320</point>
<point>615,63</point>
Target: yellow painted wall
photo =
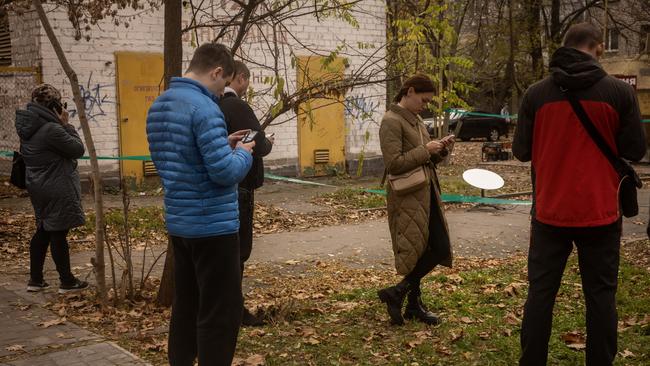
<point>321,121</point>
<point>139,82</point>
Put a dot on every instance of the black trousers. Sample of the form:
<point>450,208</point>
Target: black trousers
<point>598,257</point>
<point>60,254</point>
<point>207,308</point>
<point>246,210</point>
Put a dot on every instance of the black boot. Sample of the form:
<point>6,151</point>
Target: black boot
<point>416,309</point>
<point>393,297</point>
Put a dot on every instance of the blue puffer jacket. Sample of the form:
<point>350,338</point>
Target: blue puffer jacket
<point>188,140</point>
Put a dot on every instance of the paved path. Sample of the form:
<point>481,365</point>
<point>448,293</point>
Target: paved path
<point>28,339</point>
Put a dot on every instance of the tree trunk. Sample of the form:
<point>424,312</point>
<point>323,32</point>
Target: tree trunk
<point>556,25</point>
<point>173,67</point>
<point>173,48</point>
<point>533,19</point>
<point>98,261</point>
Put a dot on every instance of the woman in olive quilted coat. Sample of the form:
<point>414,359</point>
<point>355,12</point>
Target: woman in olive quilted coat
<point>416,219</point>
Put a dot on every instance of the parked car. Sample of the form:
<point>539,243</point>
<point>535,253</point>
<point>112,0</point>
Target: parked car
<point>472,126</point>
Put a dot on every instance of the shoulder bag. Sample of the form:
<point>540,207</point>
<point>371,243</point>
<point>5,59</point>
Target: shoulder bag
<point>410,181</point>
<point>630,180</point>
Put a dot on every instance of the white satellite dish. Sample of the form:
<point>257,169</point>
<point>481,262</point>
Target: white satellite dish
<point>483,179</point>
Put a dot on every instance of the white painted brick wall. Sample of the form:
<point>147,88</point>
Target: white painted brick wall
<point>94,63</point>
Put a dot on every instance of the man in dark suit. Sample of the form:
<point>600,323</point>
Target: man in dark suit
<point>240,116</point>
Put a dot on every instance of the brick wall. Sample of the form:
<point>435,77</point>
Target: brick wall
<point>94,62</point>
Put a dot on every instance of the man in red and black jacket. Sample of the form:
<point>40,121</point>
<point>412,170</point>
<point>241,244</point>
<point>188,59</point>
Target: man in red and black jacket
<point>575,190</point>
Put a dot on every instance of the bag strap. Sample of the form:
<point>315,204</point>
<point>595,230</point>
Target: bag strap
<point>593,132</point>
<point>417,125</point>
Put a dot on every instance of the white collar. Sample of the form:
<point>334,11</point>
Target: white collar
<point>230,90</point>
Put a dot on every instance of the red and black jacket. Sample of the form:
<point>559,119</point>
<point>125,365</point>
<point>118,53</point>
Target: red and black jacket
<point>574,185</point>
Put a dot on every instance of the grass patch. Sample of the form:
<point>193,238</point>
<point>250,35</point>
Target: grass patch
<point>481,310</point>
<point>354,198</point>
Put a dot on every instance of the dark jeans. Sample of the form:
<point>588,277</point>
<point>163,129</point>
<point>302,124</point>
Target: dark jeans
<point>598,257</point>
<point>246,208</point>
<point>207,308</point>
<point>60,254</point>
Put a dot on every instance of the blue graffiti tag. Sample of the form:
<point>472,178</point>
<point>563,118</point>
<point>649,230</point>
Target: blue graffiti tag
<point>360,107</point>
<point>94,99</point>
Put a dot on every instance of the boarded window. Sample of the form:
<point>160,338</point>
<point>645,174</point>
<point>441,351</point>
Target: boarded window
<point>5,40</point>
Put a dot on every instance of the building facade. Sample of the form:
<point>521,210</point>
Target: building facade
<point>120,74</point>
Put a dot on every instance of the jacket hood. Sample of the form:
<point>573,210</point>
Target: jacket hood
<point>573,69</point>
<point>31,119</point>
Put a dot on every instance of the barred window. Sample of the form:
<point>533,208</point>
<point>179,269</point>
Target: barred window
<point>5,40</point>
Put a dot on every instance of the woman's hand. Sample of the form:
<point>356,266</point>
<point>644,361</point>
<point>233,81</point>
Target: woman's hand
<point>64,117</point>
<point>434,147</point>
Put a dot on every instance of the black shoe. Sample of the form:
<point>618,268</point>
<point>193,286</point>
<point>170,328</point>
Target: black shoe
<point>250,320</point>
<point>33,286</point>
<point>76,285</point>
<point>393,297</point>
<point>415,309</point>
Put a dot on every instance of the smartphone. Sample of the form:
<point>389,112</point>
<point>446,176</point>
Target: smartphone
<point>249,137</point>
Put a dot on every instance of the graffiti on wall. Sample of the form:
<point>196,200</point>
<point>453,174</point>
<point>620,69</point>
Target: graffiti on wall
<point>361,107</point>
<point>95,99</point>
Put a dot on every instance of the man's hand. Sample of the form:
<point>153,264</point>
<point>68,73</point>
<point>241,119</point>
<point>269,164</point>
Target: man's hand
<point>246,146</point>
<point>235,137</point>
<point>271,138</point>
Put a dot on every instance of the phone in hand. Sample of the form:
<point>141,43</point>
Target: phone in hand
<point>271,135</point>
<point>249,137</point>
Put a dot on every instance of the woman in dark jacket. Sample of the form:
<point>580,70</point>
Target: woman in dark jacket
<point>50,147</point>
<point>416,219</point>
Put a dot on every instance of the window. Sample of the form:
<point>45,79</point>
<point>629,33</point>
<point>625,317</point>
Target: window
<point>644,39</point>
<point>5,40</point>
<point>612,40</point>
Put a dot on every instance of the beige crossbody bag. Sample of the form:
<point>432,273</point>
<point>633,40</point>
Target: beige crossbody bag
<point>410,181</point>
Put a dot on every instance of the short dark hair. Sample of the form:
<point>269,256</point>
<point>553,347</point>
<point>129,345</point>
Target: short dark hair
<point>583,35</point>
<point>419,82</point>
<point>212,55</point>
<point>241,68</point>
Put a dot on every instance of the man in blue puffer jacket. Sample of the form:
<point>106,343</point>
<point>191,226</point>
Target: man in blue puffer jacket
<point>200,167</point>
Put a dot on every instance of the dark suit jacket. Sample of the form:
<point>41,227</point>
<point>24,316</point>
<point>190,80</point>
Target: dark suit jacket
<point>240,116</point>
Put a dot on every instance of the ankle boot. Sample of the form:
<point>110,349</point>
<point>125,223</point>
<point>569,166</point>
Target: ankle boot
<point>393,297</point>
<point>415,309</point>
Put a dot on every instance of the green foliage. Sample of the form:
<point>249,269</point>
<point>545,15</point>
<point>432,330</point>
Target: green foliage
<point>422,42</point>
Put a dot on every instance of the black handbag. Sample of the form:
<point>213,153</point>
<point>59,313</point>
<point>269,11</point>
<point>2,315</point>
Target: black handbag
<point>18,171</point>
<point>630,180</point>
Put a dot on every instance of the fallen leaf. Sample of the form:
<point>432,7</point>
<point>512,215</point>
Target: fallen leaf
<point>466,320</point>
<point>255,360</point>
<point>456,335</point>
<point>574,340</point>
<point>16,348</point>
<point>511,318</point>
<point>627,354</point>
<point>51,323</point>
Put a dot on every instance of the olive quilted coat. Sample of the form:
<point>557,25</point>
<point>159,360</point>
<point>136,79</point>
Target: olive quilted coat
<point>408,214</point>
